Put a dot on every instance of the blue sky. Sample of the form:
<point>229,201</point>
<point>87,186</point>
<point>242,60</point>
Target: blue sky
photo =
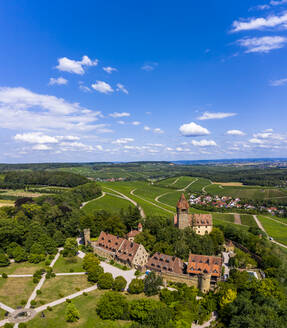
<point>151,80</point>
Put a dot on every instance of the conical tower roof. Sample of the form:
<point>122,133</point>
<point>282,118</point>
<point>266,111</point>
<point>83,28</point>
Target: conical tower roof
<point>182,203</point>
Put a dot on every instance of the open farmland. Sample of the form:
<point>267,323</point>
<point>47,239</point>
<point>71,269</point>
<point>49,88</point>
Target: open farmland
<point>276,230</point>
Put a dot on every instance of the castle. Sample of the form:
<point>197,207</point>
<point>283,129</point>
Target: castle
<point>200,223</point>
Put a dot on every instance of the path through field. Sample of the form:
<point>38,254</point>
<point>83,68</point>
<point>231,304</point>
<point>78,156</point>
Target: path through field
<point>183,189</point>
<point>237,219</point>
<point>85,203</point>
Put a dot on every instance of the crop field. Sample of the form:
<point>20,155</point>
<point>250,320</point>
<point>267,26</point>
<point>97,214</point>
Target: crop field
<point>276,230</point>
<point>198,185</point>
<point>248,220</point>
<point>109,202</point>
<point>247,192</point>
<point>223,217</point>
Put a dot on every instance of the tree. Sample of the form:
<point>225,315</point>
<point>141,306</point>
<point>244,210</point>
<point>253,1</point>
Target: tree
<point>141,308</point>
<point>228,297</point>
<point>90,260</point>
<point>37,248</point>
<point>20,254</point>
<point>112,305</point>
<point>70,247</point>
<point>160,317</point>
<point>152,284</point>
<point>59,238</point>
<point>106,281</point>
<point>136,286</point>
<point>4,261</point>
<point>72,314</point>
<point>119,284</point>
<point>146,239</point>
<point>94,272</point>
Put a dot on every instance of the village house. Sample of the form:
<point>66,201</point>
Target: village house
<point>200,223</point>
<point>208,268</point>
<point>165,263</point>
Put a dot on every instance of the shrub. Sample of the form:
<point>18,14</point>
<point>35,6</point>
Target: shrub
<point>136,286</point>
<point>105,281</point>
<point>85,294</point>
<point>35,280</point>
<point>68,300</point>
<point>23,302</point>
<point>47,262</point>
<point>119,284</point>
<point>90,260</point>
<point>33,303</point>
<point>8,325</point>
<point>4,260</point>
<point>72,314</point>
<point>71,270</point>
<point>4,275</point>
<point>137,273</point>
<point>49,308</point>
<point>38,292</point>
<point>22,325</point>
<point>94,272</point>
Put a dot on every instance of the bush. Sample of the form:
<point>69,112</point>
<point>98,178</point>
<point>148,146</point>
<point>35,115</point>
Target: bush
<point>85,294</point>
<point>105,281</point>
<point>49,308</point>
<point>119,284</point>
<point>113,306</point>
<point>71,270</point>
<point>94,272</point>
<point>4,275</point>
<point>4,260</point>
<point>90,260</point>
<point>47,262</point>
<point>22,325</point>
<point>8,325</point>
<point>136,286</point>
<point>35,280</point>
<point>23,302</point>
<point>137,273</point>
<point>38,292</point>
<point>68,300</point>
<point>33,303</point>
<point>72,314</point>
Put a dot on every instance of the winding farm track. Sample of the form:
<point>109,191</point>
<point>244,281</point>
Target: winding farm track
<point>147,201</point>
<point>260,226</point>
<point>183,189</point>
<point>85,203</point>
<point>175,181</point>
<point>128,199</point>
<point>203,188</point>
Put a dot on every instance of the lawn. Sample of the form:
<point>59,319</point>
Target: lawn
<point>88,316</point>
<point>14,290</point>
<point>61,286</point>
<point>247,219</point>
<point>22,268</point>
<point>109,203</point>
<point>68,264</point>
<point>274,229</point>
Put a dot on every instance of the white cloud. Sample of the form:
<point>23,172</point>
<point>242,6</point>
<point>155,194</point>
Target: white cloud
<point>73,66</point>
<point>260,23</point>
<point>149,67</point>
<point>212,116</point>
<point>121,122</point>
<point>117,115</point>
<point>263,44</point>
<point>256,141</point>
<point>35,137</point>
<point>278,83</point>
<point>102,87</point>
<point>41,147</point>
<point>158,130</point>
<point>122,141</point>
<point>84,88</point>
<point>121,87</point>
<point>58,81</point>
<point>109,69</point>
<point>204,143</point>
<point>235,132</point>
<point>277,2</point>
<point>136,123</point>
<point>75,146</point>
<point>182,150</point>
<point>193,130</point>
<point>24,109</point>
<point>147,128</point>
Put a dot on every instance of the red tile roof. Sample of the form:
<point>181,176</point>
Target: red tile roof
<point>109,242</point>
<point>202,219</point>
<point>198,264</point>
<point>165,263</point>
<point>127,251</point>
<point>133,233</point>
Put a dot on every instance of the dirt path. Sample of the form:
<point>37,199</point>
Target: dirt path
<point>175,181</point>
<point>203,188</point>
<point>158,197</point>
<point>237,219</point>
<point>147,201</point>
<point>130,200</point>
<point>85,203</point>
<point>188,185</point>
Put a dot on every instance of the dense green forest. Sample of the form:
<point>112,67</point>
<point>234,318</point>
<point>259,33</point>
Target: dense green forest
<point>20,179</point>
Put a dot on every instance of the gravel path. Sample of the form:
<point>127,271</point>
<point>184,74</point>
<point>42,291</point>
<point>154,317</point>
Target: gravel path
<point>188,185</point>
<point>85,203</point>
<point>6,308</point>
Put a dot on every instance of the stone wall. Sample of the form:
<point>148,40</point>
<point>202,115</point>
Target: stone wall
<point>102,252</point>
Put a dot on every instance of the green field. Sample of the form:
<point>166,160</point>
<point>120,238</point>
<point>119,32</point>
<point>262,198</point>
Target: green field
<point>109,203</point>
<point>22,268</point>
<point>67,264</point>
<point>223,217</point>
<point>61,286</point>
<point>14,290</point>
<point>198,185</point>
<point>276,230</point>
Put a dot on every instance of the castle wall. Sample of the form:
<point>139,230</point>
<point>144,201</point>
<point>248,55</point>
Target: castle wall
<point>87,237</point>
